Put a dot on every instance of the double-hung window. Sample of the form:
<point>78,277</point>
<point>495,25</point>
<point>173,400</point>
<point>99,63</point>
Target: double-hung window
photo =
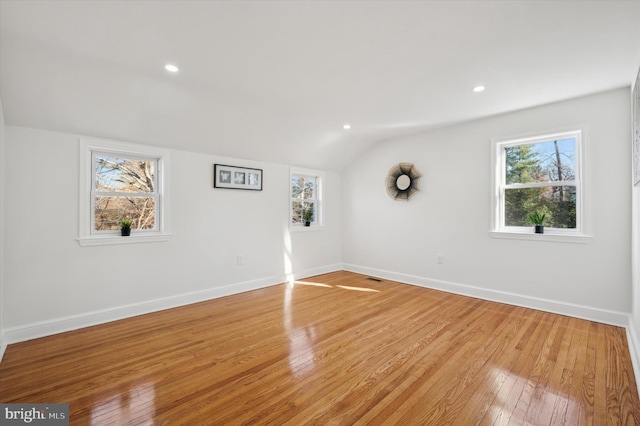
<point>124,186</point>
<point>540,175</point>
<point>122,181</point>
<point>306,197</point>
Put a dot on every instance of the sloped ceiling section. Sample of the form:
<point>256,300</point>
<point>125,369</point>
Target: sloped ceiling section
<point>277,80</point>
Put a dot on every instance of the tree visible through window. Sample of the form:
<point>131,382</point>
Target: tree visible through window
<point>541,175</point>
<point>304,197</point>
<point>124,187</point>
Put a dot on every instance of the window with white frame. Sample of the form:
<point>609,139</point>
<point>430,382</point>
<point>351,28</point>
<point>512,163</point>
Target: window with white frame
<point>306,198</point>
<point>124,186</point>
<point>122,181</point>
<point>540,175</point>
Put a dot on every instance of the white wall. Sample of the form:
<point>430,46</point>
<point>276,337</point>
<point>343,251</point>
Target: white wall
<point>2,186</point>
<point>634,329</point>
<point>451,214</point>
<point>52,284</point>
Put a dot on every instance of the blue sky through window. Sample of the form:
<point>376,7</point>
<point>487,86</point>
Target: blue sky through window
<point>548,157</point>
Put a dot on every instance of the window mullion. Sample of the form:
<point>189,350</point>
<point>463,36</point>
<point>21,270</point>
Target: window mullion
<point>540,184</point>
<point>123,194</point>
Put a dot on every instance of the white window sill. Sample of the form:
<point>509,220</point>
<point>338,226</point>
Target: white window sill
<point>105,240</point>
<point>547,237</point>
<point>302,228</point>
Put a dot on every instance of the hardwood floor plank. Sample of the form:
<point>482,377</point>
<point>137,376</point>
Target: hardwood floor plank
<point>517,375</point>
<point>544,396</point>
<point>563,375</point>
<point>575,409</point>
<point>453,393</point>
<point>488,389</point>
<point>370,387</point>
<point>333,349</point>
<point>619,412</point>
<point>391,340</point>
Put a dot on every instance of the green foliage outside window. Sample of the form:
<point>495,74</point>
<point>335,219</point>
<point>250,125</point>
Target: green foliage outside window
<point>531,166</point>
<point>303,197</point>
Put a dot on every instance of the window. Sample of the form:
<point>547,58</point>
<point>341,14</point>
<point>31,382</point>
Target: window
<point>119,181</point>
<point>124,186</point>
<point>306,196</point>
<point>541,174</point>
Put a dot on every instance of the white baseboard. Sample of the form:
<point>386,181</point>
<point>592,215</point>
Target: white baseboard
<point>604,316</point>
<point>60,325</point>
<point>311,272</point>
<point>634,350</point>
<point>3,346</point>
<point>620,319</point>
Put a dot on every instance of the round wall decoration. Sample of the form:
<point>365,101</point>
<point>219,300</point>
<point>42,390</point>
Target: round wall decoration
<point>402,181</point>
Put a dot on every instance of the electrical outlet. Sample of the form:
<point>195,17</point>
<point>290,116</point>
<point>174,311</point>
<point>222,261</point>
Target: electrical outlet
<point>240,260</point>
<point>439,259</point>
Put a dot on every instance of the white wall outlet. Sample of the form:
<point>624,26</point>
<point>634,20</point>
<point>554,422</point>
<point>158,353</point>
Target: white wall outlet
<point>439,259</point>
<point>240,260</point>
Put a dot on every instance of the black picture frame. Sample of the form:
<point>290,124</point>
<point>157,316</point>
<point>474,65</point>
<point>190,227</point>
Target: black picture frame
<point>233,177</point>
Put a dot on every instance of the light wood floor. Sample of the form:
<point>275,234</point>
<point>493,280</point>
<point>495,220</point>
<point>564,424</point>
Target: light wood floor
<point>333,349</point>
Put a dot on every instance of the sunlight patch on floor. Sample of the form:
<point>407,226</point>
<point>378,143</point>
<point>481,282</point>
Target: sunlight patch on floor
<point>312,284</point>
<point>346,287</point>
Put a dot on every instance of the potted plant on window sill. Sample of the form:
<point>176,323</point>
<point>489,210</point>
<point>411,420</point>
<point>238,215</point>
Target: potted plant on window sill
<point>307,217</point>
<point>537,220</point>
<point>125,227</point>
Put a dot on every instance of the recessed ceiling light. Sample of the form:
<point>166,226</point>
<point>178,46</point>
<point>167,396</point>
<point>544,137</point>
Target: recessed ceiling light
<point>346,126</point>
<point>478,89</point>
<point>171,68</point>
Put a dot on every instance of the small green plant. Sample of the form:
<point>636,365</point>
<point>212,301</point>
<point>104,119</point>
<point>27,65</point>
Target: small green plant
<point>307,215</point>
<point>537,218</point>
<point>125,223</point>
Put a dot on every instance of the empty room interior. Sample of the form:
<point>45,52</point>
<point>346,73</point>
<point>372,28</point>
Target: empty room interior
<point>320,212</point>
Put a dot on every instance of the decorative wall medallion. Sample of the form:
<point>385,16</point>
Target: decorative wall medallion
<point>402,181</point>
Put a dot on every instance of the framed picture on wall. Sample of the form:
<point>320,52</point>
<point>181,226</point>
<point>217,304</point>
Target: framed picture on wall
<point>635,129</point>
<point>231,177</point>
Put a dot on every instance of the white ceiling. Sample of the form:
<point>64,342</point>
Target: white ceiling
<point>276,80</point>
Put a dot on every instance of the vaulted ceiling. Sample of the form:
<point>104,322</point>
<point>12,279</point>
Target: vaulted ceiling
<point>276,80</point>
